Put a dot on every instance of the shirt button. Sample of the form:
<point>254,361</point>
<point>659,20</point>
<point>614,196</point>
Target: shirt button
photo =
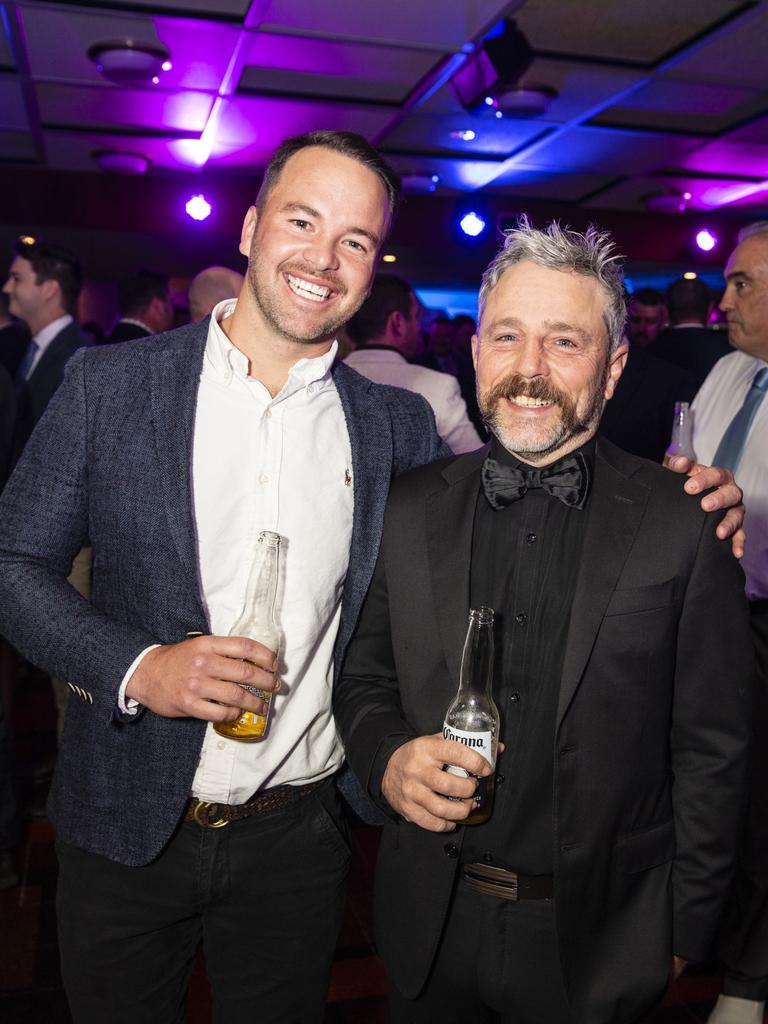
<point>514,697</point>
<point>310,389</point>
<point>221,744</point>
<point>263,478</point>
<point>531,538</point>
<point>451,850</point>
<point>268,414</point>
<point>228,375</point>
<point>499,779</point>
<point>521,618</point>
<point>488,857</point>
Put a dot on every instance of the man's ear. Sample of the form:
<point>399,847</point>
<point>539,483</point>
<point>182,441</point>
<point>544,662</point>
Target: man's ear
<point>395,323</point>
<point>249,227</point>
<point>616,363</point>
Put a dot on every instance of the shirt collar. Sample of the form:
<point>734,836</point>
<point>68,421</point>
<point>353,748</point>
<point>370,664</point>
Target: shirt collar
<point>136,322</point>
<point>225,360</point>
<point>44,337</point>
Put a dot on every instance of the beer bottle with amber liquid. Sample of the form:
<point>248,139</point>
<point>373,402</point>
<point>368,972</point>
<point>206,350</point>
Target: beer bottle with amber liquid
<point>473,718</point>
<point>258,621</point>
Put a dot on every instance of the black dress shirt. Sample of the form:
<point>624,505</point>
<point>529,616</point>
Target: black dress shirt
<point>524,563</point>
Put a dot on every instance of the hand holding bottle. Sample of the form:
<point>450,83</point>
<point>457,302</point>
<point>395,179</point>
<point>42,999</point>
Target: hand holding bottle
<point>203,678</point>
<point>416,786</point>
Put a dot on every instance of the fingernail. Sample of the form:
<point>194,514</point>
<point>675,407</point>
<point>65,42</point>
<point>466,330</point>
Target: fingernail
<point>709,503</point>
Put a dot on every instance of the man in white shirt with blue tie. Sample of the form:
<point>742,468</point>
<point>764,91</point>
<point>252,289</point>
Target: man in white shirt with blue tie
<point>731,427</point>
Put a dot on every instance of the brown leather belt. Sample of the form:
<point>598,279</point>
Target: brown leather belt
<point>209,815</point>
<point>508,885</point>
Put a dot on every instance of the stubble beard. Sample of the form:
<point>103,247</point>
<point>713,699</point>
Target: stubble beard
<point>540,440</point>
<point>280,318</point>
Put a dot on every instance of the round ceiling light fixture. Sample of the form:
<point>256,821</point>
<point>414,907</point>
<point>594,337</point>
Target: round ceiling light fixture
<point>129,61</point>
<point>530,100</point>
<point>423,183</point>
<point>119,162</point>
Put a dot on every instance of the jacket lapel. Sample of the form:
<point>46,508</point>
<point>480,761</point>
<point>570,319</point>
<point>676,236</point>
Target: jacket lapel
<point>175,375</point>
<point>370,438</point>
<point>616,509</point>
<point>450,515</point>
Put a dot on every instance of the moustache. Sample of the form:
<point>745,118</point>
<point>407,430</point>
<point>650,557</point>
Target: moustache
<point>517,386</point>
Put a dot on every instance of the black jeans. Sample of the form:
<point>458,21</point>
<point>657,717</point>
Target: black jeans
<point>264,895</point>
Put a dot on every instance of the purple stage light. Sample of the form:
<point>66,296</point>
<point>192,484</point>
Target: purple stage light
<point>471,224</point>
<point>706,240</point>
<point>166,65</point>
<point>198,208</point>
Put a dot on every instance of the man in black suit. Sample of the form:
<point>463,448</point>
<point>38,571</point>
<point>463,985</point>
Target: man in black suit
<point>43,287</point>
<point>145,307</point>
<point>687,342</point>
<point>622,679</point>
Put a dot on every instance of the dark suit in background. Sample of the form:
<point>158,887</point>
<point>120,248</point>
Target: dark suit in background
<point>649,743</point>
<point>695,349</point>
<point>34,393</point>
<point>14,339</point>
<point>124,330</point>
<point>639,416</point>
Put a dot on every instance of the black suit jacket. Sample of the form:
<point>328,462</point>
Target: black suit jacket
<point>35,393</point>
<point>695,349</point>
<point>124,331</point>
<point>639,416</point>
<point>651,729</point>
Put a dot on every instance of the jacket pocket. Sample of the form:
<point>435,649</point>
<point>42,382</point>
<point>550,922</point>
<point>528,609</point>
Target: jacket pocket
<point>642,599</point>
<point>645,848</point>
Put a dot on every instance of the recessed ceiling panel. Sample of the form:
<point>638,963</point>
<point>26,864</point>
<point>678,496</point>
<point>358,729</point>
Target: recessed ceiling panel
<point>610,152</point>
<point>728,158</point>
<point>58,39</point>
<point>16,147</point>
<point>251,128</point>
<point>755,132</point>
<point>694,107</point>
<point>534,183</point>
<point>449,23</point>
<point>293,64</point>
<point>73,151</point>
<point>234,9</point>
<point>618,30</point>
<point>497,138</point>
<point>455,175</point>
<point>732,57</point>
<point>155,110</point>
<point>13,113</point>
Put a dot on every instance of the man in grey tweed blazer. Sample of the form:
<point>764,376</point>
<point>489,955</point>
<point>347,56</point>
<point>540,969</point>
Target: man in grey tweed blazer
<point>171,455</point>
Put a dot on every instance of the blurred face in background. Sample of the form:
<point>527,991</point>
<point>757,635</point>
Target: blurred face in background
<point>644,322</point>
<point>745,302</point>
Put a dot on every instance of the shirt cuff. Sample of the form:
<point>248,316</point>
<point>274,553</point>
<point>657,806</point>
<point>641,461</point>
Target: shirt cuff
<point>130,706</point>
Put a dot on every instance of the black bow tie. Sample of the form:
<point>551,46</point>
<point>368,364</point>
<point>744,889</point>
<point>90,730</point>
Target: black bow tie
<point>567,479</point>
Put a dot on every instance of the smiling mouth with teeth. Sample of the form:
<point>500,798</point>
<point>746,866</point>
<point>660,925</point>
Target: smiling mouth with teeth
<point>529,403</point>
<point>307,290</point>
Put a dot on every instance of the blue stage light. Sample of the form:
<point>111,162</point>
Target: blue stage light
<point>472,224</point>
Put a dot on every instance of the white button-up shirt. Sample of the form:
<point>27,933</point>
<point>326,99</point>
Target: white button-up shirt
<point>719,399</point>
<point>282,464</point>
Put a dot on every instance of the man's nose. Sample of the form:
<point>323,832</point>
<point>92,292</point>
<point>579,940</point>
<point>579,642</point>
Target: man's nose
<point>531,360</point>
<point>321,253</point>
<point>726,302</point>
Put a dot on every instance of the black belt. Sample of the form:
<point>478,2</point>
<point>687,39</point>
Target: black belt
<point>209,815</point>
<point>508,885</point>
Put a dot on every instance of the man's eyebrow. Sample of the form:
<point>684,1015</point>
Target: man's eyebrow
<point>561,325</point>
<point>310,211</point>
<point>738,273</point>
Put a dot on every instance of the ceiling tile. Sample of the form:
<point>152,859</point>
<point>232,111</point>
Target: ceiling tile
<point>695,107</point>
<point>13,112</point>
<point>446,24</point>
<point>425,132</point>
<point>16,147</point>
<point>96,108</point>
<point>618,30</point>
<point>732,57</point>
<point>728,158</point>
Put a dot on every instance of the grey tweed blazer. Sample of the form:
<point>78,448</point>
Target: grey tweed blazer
<point>111,461</point>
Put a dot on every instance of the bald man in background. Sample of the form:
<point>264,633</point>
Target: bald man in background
<point>211,286</point>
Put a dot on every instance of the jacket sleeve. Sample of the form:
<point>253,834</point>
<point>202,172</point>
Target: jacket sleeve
<point>709,741</point>
<point>43,524</point>
<point>366,696</point>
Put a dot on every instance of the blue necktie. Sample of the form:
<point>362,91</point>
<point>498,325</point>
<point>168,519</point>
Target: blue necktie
<point>26,363</point>
<point>731,445</point>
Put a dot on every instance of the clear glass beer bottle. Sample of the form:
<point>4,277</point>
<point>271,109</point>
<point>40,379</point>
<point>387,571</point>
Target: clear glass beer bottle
<point>473,718</point>
<point>681,441</point>
<point>258,621</point>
